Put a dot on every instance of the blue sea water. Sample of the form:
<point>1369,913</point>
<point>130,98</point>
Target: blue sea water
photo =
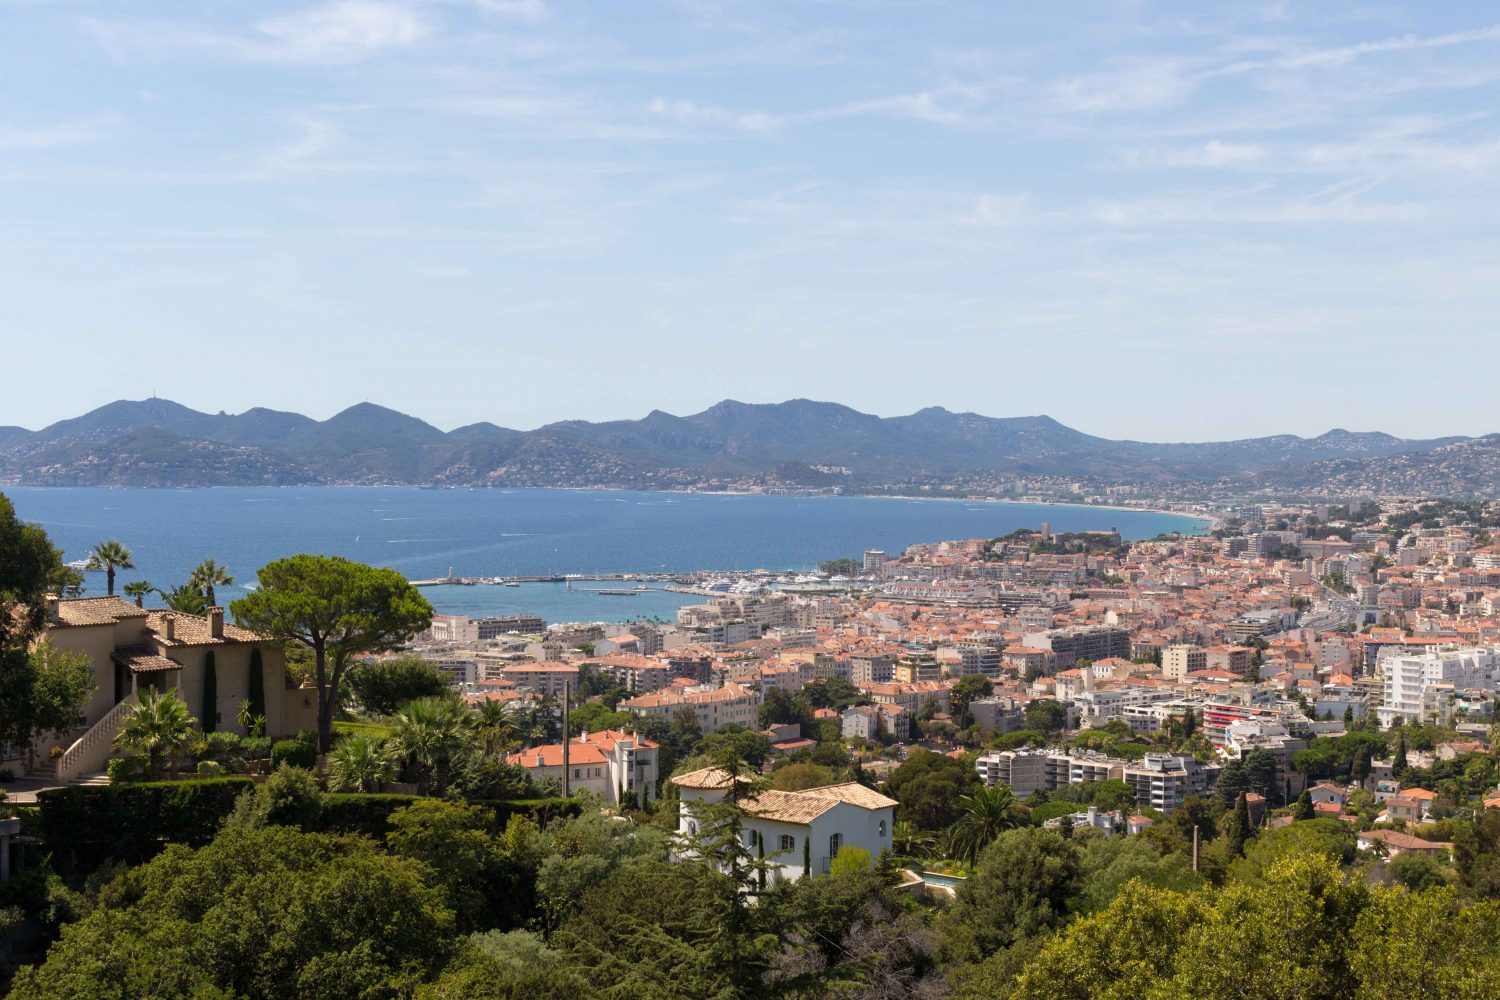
<point>493,532</point>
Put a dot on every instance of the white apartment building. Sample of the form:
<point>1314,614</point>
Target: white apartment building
<point>1408,679</point>
<point>1161,781</point>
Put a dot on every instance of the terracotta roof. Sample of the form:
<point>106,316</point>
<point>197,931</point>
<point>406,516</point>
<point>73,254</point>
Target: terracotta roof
<point>854,794</point>
<point>95,611</point>
<point>788,807</point>
<point>1404,841</point>
<point>192,630</point>
<point>708,777</point>
<point>552,756</point>
<point>142,659</point>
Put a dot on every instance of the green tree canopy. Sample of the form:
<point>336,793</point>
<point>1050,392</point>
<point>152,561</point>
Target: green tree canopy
<point>271,913</point>
<point>928,786</point>
<point>338,609</point>
<point>1021,886</point>
<point>382,686</point>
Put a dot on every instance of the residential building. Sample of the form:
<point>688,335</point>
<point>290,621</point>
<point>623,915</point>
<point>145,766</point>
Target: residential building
<point>800,833</point>
<point>496,626</point>
<point>715,707</point>
<point>606,763</point>
<point>1067,646</point>
<point>1409,679</point>
<point>546,678</point>
<point>131,650</point>
<point>1179,661</point>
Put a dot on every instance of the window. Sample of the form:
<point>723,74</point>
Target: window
<point>882,828</point>
<point>834,843</point>
<point>788,842</point>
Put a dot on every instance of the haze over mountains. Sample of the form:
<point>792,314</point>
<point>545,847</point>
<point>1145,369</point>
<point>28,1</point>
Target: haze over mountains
<point>799,443</point>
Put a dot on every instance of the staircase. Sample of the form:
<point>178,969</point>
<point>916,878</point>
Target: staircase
<point>89,752</point>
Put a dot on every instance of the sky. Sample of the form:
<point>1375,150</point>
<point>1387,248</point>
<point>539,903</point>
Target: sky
<point>1158,221</point>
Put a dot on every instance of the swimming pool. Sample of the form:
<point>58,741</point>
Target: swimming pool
<point>949,882</point>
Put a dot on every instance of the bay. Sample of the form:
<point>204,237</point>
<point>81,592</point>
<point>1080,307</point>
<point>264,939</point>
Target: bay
<point>492,532</point>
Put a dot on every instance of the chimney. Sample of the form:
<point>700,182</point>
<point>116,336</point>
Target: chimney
<point>215,617</point>
<point>169,627</point>
<point>54,613</point>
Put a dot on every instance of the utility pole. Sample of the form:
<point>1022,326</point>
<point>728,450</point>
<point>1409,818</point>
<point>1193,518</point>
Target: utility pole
<point>566,775</point>
<point>1195,847</point>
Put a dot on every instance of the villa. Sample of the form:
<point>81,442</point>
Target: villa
<point>799,832</point>
<point>134,650</point>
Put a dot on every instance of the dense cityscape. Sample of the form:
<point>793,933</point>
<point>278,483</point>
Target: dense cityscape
<point>749,500</point>
<point>939,772</point>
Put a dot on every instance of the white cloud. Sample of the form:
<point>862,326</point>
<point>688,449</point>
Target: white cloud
<point>691,111</point>
<point>1332,57</point>
<point>1213,153</point>
<point>1139,84</point>
<point>346,31</point>
<point>72,133</point>
<point>1001,209</point>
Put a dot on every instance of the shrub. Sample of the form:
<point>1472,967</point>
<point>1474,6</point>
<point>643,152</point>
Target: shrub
<point>7,775</point>
<point>295,753</point>
<point>256,747</point>
<point>124,770</point>
<point>210,769</point>
<point>217,746</point>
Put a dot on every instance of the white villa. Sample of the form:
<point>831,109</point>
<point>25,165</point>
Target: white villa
<point>603,763</point>
<point>799,830</point>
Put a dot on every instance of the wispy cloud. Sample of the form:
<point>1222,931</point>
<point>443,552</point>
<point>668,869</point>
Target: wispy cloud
<point>346,31</point>
<point>68,133</point>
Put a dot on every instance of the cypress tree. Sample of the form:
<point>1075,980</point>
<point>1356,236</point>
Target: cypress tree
<point>1239,826</point>
<point>1304,808</point>
<point>806,856</point>
<point>1399,765</point>
<point>209,719</point>
<point>760,855</point>
<point>257,694</point>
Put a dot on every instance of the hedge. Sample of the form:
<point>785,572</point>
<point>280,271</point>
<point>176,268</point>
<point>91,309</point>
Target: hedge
<point>294,752</point>
<point>90,824</point>
<point>86,825</point>
<point>369,813</point>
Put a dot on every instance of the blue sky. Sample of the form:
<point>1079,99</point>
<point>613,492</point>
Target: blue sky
<point>1160,221</point>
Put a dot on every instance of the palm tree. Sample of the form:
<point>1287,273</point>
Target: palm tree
<point>496,727</point>
<point>987,813</point>
<point>358,764</point>
<point>909,840</point>
<point>110,556</point>
<point>138,589</point>
<point>186,599</point>
<point>159,728</point>
<point>432,734</point>
<point>209,575</point>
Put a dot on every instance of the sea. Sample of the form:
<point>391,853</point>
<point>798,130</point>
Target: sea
<point>424,533</point>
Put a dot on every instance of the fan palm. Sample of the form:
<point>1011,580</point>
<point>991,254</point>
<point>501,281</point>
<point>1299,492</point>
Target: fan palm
<point>496,727</point>
<point>186,599</point>
<point>433,734</point>
<point>138,589</point>
<point>209,575</point>
<point>910,840</point>
<point>110,556</point>
<point>159,728</point>
<point>986,813</point>
<point>358,764</point>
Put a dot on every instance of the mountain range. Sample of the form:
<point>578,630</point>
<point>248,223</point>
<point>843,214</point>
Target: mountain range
<point>795,444</point>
